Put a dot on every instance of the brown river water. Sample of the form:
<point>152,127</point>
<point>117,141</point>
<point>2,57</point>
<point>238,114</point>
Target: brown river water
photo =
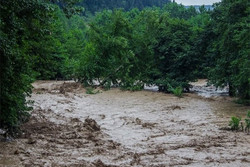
<point>70,128</point>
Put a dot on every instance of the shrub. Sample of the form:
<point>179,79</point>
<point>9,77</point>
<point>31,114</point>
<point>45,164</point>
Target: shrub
<point>234,123</point>
<point>177,91</point>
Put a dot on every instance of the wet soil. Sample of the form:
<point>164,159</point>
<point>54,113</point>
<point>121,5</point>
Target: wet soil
<point>120,128</point>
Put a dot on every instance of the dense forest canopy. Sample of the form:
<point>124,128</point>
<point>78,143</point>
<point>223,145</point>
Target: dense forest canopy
<point>168,45</point>
<point>98,5</point>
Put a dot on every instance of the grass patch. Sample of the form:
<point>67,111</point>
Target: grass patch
<point>90,90</point>
<point>178,91</point>
<point>235,123</point>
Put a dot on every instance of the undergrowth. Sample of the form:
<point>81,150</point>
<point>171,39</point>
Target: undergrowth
<point>90,90</point>
<point>236,124</point>
<point>178,91</point>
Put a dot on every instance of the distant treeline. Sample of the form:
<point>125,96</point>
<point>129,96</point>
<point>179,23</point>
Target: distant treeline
<point>208,7</point>
<point>98,5</point>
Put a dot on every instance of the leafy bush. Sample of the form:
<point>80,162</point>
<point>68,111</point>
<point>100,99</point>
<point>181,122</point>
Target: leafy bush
<point>177,91</point>
<point>20,22</point>
<point>235,123</point>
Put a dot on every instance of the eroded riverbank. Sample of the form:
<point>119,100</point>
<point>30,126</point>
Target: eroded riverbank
<point>141,128</point>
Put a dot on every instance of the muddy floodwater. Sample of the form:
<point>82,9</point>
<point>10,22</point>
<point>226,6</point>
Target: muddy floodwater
<point>69,128</point>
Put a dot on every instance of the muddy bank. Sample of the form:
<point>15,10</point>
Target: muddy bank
<point>119,128</point>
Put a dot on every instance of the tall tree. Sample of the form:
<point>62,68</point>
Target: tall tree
<point>231,26</point>
<point>21,21</point>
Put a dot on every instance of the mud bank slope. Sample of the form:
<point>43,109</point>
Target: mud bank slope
<point>119,128</point>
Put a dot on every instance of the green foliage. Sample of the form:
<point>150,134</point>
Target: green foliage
<point>90,90</point>
<point>175,61</point>
<point>25,37</point>
<point>248,114</point>
<point>132,87</point>
<point>47,50</point>
<point>108,56</point>
<point>167,47</point>
<point>229,49</point>
<point>130,49</point>
<point>235,123</point>
<point>58,52</point>
<point>107,85</point>
<point>73,43</point>
<point>93,6</point>
<point>178,91</point>
<point>21,21</point>
<point>179,11</point>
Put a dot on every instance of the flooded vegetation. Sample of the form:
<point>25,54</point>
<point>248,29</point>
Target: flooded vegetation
<point>121,128</point>
<point>202,88</point>
<point>137,100</point>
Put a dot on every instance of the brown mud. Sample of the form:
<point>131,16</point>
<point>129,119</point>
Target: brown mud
<point>69,128</point>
